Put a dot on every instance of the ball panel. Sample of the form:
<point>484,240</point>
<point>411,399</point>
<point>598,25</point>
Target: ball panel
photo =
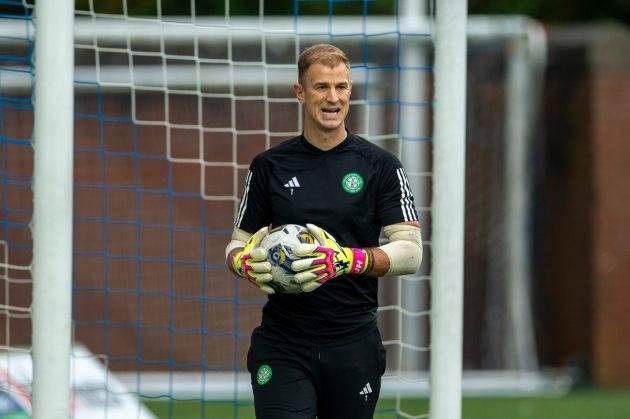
<point>280,254</point>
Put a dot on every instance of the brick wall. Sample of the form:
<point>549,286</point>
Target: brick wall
<point>611,207</point>
<point>584,281</point>
<point>583,286</point>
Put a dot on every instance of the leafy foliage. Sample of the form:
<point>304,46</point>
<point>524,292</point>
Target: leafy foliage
<point>544,10</point>
<point>556,11</point>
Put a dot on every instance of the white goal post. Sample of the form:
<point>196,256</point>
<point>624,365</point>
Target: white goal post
<point>449,172</point>
<point>52,208</point>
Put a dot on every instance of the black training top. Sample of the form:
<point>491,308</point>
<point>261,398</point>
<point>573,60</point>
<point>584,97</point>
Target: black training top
<point>351,191</point>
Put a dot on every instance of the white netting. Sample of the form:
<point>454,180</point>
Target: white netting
<point>169,112</point>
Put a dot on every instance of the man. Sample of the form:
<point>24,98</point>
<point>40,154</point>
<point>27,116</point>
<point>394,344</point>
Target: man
<point>319,353</point>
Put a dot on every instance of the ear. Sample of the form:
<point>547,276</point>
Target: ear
<point>299,92</point>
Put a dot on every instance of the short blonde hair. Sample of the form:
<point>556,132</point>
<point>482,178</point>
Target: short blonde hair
<point>326,54</point>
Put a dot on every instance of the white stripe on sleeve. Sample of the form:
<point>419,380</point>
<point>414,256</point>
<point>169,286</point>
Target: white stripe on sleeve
<point>406,203</point>
<point>243,206</point>
<point>412,208</point>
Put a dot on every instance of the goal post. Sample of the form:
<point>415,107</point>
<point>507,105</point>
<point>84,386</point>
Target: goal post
<point>52,208</point>
<point>449,165</point>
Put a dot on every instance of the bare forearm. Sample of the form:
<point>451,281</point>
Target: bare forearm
<point>379,262</point>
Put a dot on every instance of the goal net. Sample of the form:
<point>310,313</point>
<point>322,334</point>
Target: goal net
<point>171,105</point>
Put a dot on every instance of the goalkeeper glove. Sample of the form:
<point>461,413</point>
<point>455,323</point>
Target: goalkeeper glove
<point>326,259</point>
<point>251,262</point>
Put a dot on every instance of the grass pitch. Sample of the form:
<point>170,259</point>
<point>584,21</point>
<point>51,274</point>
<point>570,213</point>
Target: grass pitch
<point>582,404</point>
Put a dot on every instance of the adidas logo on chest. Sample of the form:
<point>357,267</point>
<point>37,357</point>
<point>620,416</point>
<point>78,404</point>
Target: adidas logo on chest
<point>293,183</point>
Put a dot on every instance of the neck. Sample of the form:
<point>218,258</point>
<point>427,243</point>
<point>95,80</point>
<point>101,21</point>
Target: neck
<point>325,140</point>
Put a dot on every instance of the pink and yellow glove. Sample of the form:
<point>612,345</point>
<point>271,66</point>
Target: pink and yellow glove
<point>326,259</point>
<point>251,262</point>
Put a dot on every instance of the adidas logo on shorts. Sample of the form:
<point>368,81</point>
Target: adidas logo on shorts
<point>367,389</point>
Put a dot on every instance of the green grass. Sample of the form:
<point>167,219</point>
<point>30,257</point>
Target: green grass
<point>583,404</point>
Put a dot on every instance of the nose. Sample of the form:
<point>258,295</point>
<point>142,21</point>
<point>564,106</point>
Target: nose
<point>332,95</point>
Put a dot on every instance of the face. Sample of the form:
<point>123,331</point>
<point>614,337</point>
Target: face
<point>325,96</point>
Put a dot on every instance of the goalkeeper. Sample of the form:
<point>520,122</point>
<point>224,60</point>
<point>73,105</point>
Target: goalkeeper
<point>319,353</point>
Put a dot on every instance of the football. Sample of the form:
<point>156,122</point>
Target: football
<point>280,254</point>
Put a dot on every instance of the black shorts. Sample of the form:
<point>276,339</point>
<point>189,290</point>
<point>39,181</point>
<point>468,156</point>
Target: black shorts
<point>296,381</point>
